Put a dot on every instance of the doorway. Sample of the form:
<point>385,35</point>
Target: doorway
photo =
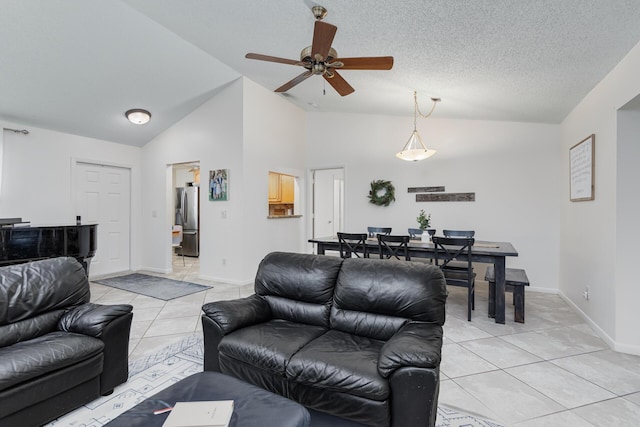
<point>327,202</point>
<point>103,197</point>
<point>186,197</point>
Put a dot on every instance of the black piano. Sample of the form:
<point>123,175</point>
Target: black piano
<point>25,243</point>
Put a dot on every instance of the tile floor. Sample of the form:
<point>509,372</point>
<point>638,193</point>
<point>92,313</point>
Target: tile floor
<point>552,370</point>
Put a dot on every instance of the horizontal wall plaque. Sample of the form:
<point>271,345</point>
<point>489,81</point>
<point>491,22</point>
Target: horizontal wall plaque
<point>446,197</point>
<point>425,189</point>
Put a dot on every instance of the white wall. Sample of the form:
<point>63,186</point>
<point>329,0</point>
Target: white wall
<point>627,229</point>
<point>212,134</point>
<point>274,134</point>
<point>588,249</point>
<point>248,130</point>
<point>37,176</point>
<point>512,167</point>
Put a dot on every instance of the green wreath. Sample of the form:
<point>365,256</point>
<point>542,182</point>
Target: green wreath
<point>382,193</point>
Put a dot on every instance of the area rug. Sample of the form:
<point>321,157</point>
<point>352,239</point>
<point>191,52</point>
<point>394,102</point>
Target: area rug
<point>153,286</point>
<point>154,372</point>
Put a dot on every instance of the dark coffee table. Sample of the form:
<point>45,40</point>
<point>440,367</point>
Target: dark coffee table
<point>253,406</point>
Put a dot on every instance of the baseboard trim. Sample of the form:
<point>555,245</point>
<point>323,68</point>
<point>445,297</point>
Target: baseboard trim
<point>617,346</point>
<point>552,291</point>
<point>154,270</point>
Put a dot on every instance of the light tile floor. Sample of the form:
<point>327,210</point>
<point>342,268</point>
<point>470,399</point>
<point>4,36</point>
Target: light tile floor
<point>552,370</point>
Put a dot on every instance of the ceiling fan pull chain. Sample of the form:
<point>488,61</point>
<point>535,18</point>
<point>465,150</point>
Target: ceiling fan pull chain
<point>324,87</point>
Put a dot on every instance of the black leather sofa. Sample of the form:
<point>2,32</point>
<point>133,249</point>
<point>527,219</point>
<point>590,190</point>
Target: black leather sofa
<point>356,338</point>
<point>57,350</point>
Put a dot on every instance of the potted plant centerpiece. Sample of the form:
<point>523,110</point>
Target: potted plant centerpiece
<point>424,221</point>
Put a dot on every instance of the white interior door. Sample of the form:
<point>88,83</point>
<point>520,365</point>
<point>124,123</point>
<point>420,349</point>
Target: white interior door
<point>328,202</point>
<point>104,198</point>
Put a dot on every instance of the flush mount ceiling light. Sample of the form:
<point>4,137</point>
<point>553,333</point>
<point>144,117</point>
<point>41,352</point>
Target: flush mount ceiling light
<point>415,150</point>
<point>138,116</point>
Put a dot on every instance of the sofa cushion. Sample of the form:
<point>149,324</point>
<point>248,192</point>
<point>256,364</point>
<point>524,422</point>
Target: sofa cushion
<point>298,287</point>
<point>27,329</point>
<point>269,346</point>
<point>390,293</point>
<point>41,286</point>
<point>341,362</point>
<point>27,360</point>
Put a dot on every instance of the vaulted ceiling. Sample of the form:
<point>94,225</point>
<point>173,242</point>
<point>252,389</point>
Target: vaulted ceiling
<point>77,65</point>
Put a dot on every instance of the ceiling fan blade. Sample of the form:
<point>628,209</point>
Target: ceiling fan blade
<point>366,63</point>
<point>272,59</point>
<point>339,84</point>
<point>291,83</point>
<point>323,35</point>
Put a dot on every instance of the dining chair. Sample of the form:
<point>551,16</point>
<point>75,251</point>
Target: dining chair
<point>415,233</point>
<point>447,249</point>
<point>393,246</point>
<point>353,244</point>
<point>373,231</point>
<point>459,233</point>
<point>176,240</point>
<point>458,265</point>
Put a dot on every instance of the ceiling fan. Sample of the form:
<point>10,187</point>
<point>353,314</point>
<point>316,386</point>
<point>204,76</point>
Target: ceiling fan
<point>321,59</point>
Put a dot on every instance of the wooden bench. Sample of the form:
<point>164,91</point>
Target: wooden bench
<point>515,281</point>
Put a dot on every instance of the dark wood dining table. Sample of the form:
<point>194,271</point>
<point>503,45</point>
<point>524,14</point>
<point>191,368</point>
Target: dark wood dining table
<point>482,251</point>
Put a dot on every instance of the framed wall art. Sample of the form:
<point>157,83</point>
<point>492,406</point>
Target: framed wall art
<point>219,185</point>
<point>582,168</point>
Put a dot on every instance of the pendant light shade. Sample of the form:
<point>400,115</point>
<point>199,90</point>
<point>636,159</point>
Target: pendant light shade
<point>415,150</point>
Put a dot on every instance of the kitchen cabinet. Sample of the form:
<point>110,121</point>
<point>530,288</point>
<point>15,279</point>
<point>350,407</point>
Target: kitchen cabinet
<point>274,187</point>
<point>286,189</point>
<point>281,188</point>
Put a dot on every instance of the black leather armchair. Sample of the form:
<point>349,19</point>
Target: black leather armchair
<point>356,338</point>
<point>57,350</point>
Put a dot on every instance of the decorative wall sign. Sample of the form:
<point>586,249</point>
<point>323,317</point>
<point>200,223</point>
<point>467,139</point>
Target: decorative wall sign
<point>446,197</point>
<point>382,193</point>
<point>425,189</point>
<point>219,185</point>
<point>582,168</point>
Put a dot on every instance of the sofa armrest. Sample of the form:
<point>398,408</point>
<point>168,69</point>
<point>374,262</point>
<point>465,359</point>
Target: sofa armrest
<point>91,319</point>
<point>236,314</point>
<point>417,345</point>
<point>112,324</point>
<point>414,394</point>
<point>223,317</point>
<point>115,369</point>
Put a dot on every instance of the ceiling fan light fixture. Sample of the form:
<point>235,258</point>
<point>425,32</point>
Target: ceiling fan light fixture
<point>415,150</point>
<point>320,59</point>
<point>138,116</point>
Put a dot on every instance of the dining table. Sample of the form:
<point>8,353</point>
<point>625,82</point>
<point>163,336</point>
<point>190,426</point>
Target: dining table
<point>482,252</point>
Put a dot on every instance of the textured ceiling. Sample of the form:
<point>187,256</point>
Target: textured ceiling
<point>77,65</point>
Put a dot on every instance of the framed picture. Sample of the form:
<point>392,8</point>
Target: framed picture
<point>582,162</point>
<point>219,185</point>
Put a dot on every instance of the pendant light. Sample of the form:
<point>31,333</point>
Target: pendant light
<point>415,150</point>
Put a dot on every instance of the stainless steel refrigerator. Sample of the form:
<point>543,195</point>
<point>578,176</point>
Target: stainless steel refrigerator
<point>187,215</point>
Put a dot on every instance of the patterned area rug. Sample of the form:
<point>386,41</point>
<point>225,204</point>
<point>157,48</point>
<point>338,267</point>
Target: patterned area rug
<point>153,286</point>
<point>157,371</point>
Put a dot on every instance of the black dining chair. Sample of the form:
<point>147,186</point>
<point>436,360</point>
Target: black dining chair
<point>374,231</point>
<point>459,233</point>
<point>353,244</point>
<point>415,233</point>
<point>391,246</point>
<point>447,249</point>
<point>458,265</point>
